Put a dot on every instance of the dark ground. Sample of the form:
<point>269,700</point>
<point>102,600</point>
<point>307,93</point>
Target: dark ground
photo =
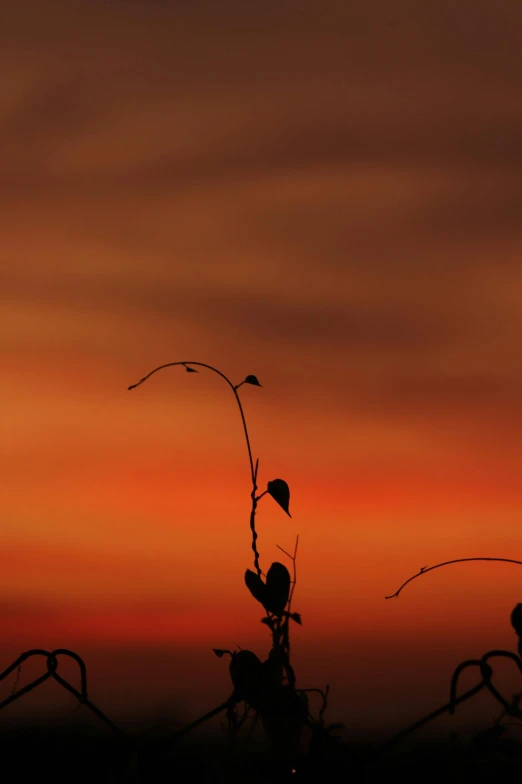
<point>83,753</point>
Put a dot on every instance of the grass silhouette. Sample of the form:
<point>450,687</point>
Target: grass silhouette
<point>264,692</point>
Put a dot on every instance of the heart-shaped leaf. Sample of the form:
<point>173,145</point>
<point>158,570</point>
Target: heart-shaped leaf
<point>255,585</point>
<point>280,492</point>
<point>252,380</point>
<point>277,588</point>
<point>246,671</point>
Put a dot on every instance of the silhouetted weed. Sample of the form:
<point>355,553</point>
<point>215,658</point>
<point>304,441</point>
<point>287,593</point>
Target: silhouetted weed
<point>264,692</point>
<point>268,686</point>
<point>511,707</point>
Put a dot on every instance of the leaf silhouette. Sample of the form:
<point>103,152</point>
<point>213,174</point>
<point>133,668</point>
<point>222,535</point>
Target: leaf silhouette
<point>516,619</point>
<point>277,588</point>
<point>246,673</point>
<point>296,617</point>
<point>189,369</point>
<point>252,380</point>
<point>219,653</point>
<point>255,585</point>
<point>280,492</point>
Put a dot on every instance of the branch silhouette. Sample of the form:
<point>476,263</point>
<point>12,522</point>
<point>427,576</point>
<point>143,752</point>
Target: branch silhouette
<point>426,569</point>
<point>509,708</point>
<point>268,687</point>
<point>253,469</point>
<point>233,387</point>
<point>447,708</point>
<point>52,666</point>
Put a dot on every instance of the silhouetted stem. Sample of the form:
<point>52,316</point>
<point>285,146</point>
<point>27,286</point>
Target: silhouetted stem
<point>509,708</point>
<point>254,532</point>
<point>201,720</point>
<point>280,636</point>
<point>23,657</point>
<point>485,671</point>
<point>435,714</point>
<point>325,703</point>
<point>425,570</point>
<point>230,384</point>
<point>25,690</point>
<point>83,670</point>
<point>88,704</point>
<point>253,471</point>
<point>52,664</point>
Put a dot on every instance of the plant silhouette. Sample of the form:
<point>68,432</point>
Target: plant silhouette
<point>268,686</point>
<point>264,690</point>
<point>426,569</point>
<point>51,658</point>
<point>510,708</point>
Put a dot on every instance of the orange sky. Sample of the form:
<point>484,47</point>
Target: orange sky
<point>329,199</point>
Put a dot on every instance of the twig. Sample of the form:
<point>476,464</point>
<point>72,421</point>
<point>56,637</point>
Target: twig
<point>201,720</point>
<point>25,690</point>
<point>231,385</point>
<point>17,679</point>
<point>286,636</point>
<point>52,665</point>
<point>293,559</point>
<point>485,671</point>
<point>435,714</point>
<point>253,470</point>
<point>510,708</point>
<point>425,570</point>
<point>325,703</point>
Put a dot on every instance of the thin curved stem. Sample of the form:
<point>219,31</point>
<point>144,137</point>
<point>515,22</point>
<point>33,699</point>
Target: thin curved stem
<point>425,570</point>
<point>435,714</point>
<point>485,671</point>
<point>25,690</point>
<point>510,708</point>
<point>253,470</point>
<point>83,700</point>
<point>52,664</point>
<point>81,664</point>
<point>201,720</point>
<point>23,657</point>
<point>505,655</point>
<point>232,387</point>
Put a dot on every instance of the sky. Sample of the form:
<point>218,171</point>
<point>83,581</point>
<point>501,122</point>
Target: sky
<point>326,195</point>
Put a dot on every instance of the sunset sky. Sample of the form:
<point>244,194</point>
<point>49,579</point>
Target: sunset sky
<point>326,195</point>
